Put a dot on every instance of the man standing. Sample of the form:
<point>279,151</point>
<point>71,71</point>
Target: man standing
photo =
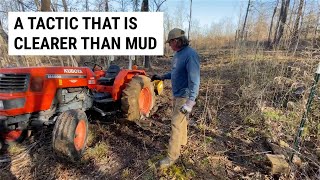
<point>185,80</point>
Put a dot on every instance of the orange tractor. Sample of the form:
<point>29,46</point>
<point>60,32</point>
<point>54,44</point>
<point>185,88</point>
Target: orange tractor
<point>42,96</point>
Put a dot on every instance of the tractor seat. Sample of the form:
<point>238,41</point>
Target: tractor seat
<point>111,75</point>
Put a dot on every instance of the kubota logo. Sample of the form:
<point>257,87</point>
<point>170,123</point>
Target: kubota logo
<point>74,71</point>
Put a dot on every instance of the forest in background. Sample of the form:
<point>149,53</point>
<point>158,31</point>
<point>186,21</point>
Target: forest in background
<point>288,25</point>
<point>257,72</point>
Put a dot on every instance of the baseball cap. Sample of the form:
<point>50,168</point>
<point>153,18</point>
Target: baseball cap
<point>175,33</point>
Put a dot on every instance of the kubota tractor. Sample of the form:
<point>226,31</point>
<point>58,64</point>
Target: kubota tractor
<point>41,96</point>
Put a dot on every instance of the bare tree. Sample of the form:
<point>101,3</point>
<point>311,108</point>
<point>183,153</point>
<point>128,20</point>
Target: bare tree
<point>45,5</point>
<point>315,33</point>
<point>106,9</point>
<point>245,20</point>
<point>145,8</point>
<point>36,2</point>
<point>238,31</point>
<point>167,26</point>
<point>65,6</point>
<point>123,5</point>
<point>282,21</point>
<point>21,5</point>
<point>271,23</point>
<point>87,5</point>
<point>288,30</point>
<point>3,34</point>
<point>54,5</point>
<point>295,34</point>
<point>135,4</point>
<point>190,17</point>
<point>158,4</point>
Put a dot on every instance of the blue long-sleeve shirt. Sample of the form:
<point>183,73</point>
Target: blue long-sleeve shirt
<point>185,73</point>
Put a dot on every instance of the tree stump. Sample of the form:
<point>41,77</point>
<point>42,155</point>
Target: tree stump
<point>278,164</point>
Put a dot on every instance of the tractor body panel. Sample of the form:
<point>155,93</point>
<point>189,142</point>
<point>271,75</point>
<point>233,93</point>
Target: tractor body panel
<point>32,89</point>
<point>115,88</point>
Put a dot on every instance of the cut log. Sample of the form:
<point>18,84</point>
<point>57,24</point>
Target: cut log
<point>278,164</point>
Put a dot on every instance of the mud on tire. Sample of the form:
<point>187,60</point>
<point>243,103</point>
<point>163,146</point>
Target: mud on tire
<point>70,134</point>
<point>138,98</point>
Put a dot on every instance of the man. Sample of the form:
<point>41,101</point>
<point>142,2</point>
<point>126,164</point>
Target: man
<point>185,80</point>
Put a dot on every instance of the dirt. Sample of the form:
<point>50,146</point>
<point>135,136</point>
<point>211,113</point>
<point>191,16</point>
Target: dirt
<point>219,145</point>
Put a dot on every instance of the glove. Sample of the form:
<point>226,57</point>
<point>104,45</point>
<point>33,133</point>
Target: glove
<point>187,107</point>
<point>156,77</point>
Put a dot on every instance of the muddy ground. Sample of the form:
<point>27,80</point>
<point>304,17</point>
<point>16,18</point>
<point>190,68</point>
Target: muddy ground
<point>219,145</point>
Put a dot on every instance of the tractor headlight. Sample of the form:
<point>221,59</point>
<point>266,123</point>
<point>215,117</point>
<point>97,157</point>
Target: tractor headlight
<point>1,105</point>
<point>36,84</point>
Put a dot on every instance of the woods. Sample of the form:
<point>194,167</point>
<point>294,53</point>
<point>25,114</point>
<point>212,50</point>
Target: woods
<point>281,24</point>
<point>257,67</point>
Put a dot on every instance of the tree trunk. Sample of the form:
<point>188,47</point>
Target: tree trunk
<point>3,34</point>
<point>145,8</point>
<point>65,6</point>
<point>298,33</point>
<point>87,6</point>
<point>45,5</point>
<point>158,5</point>
<point>283,18</point>
<point>271,24</point>
<point>36,2</point>
<point>106,9</point>
<point>245,21</point>
<point>276,31</point>
<point>135,5</point>
<point>238,35</point>
<point>314,38</point>
<point>21,5</point>
<point>288,34</point>
<point>296,27</point>
<point>190,19</point>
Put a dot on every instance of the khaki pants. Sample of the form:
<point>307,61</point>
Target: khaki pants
<point>179,125</point>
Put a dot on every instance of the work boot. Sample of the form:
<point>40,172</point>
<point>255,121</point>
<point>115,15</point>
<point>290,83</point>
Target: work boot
<point>166,162</point>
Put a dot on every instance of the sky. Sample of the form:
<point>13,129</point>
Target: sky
<point>208,11</point>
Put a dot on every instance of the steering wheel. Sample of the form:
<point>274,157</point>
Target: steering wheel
<point>94,65</point>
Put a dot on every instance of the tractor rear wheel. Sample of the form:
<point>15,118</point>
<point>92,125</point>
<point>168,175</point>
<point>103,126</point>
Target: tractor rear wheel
<point>70,134</point>
<point>138,98</point>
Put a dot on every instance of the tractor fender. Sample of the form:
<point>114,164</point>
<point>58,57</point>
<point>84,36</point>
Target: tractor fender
<point>121,80</point>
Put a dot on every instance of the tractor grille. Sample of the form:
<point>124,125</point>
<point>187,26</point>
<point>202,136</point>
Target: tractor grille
<point>13,82</point>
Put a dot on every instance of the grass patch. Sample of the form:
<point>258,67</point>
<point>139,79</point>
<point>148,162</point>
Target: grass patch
<point>15,149</point>
<point>99,151</point>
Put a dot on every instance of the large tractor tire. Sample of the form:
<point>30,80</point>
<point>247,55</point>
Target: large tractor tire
<point>138,98</point>
<point>70,134</point>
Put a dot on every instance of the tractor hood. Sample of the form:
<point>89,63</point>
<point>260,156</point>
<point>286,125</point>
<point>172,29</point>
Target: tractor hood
<point>38,71</point>
<point>26,90</point>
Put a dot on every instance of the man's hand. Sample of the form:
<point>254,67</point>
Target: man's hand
<point>156,77</point>
<point>187,107</point>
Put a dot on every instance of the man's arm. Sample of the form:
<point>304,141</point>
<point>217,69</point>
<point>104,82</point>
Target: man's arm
<point>167,75</point>
<point>193,68</point>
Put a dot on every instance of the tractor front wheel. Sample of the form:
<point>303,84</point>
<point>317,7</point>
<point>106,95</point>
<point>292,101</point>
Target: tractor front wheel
<point>138,98</point>
<point>70,134</point>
